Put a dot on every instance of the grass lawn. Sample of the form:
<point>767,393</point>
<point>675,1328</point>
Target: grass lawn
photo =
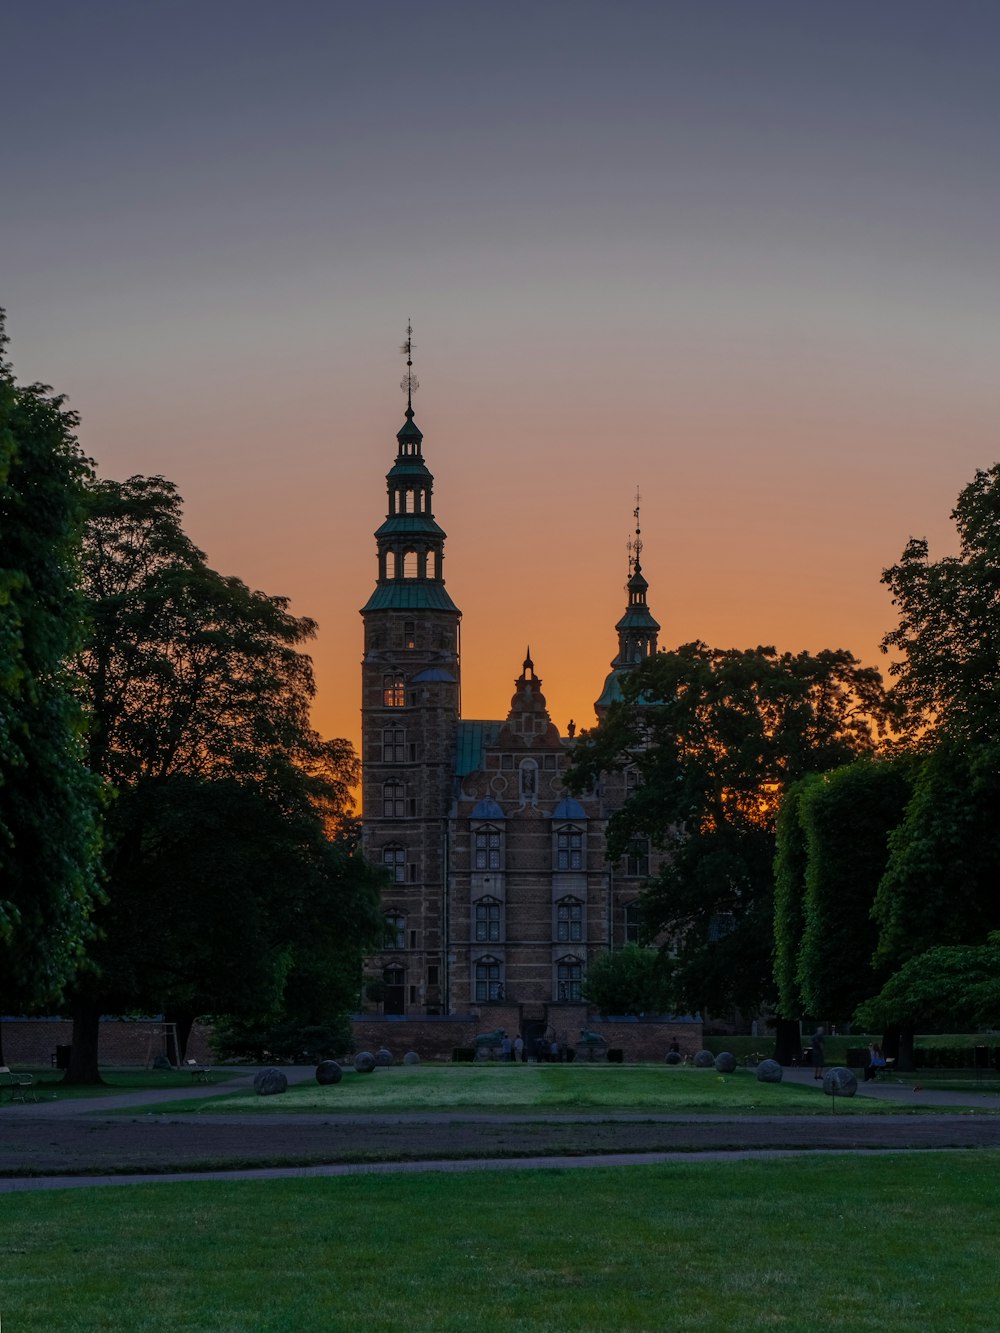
<point>526,1088</point>
<point>122,1080</point>
<point>891,1243</point>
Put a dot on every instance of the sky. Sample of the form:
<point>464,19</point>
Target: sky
<point>740,254</point>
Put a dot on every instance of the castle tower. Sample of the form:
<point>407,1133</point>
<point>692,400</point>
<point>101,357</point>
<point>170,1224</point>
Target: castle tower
<point>411,702</point>
<point>637,630</point>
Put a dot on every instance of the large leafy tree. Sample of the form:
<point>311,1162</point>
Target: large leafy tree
<point>950,986</point>
<point>716,736</point>
<point>632,980</point>
<point>48,799</point>
<point>948,636</point>
<point>227,860</point>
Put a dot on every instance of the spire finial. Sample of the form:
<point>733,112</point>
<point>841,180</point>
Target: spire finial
<point>409,383</point>
<point>637,544</point>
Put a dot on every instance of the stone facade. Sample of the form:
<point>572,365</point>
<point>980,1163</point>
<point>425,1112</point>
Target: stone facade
<point>500,890</point>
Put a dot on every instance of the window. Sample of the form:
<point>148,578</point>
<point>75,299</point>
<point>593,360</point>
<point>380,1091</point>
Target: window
<point>631,779</point>
<point>506,761</point>
<point>394,860</point>
<point>489,985</point>
<point>489,849</point>
<point>432,975</point>
<point>409,634</point>
<point>637,859</point>
<point>394,1001</point>
<point>569,849</point>
<point>569,921</point>
<point>393,745</point>
<point>410,565</point>
<point>395,930</point>
<point>393,800</point>
<point>393,691</point>
<point>569,979</point>
<point>487,921</point>
<point>632,923</point>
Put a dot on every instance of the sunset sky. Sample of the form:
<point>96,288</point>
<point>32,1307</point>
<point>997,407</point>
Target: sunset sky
<point>740,253</point>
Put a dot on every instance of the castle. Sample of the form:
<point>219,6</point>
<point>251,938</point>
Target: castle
<point>500,890</point>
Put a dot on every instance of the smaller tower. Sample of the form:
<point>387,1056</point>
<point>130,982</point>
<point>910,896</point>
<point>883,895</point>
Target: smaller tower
<point>637,630</point>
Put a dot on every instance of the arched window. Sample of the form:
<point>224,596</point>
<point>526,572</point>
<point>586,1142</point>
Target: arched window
<point>393,745</point>
<point>395,930</point>
<point>569,921</point>
<point>489,979</point>
<point>569,848</point>
<point>394,860</point>
<point>408,505</point>
<point>487,920</point>
<point>393,800</point>
<point>411,565</point>
<point>393,691</point>
<point>569,978</point>
<point>489,848</point>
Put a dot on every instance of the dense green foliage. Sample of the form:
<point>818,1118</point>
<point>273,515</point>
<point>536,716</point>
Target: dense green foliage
<point>48,799</point>
<point>949,619</point>
<point>632,980</point>
<point>950,984</point>
<point>790,859</point>
<point>232,879</point>
<point>716,736</point>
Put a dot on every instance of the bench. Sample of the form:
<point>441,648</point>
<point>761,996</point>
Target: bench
<point>199,1073</point>
<point>20,1084</point>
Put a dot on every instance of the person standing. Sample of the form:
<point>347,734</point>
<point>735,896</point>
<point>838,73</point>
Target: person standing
<point>818,1048</point>
<point>519,1049</point>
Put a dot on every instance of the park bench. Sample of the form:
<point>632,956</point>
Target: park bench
<point>199,1073</point>
<point>20,1085</point>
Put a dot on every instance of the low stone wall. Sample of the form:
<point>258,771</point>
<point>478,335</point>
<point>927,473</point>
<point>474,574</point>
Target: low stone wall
<point>32,1041</point>
<point>436,1038</point>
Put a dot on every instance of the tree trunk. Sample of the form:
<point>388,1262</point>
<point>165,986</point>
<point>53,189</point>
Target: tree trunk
<point>787,1042</point>
<point>83,1069</point>
<point>183,1023</point>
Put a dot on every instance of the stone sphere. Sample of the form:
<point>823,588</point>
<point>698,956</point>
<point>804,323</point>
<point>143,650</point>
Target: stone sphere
<point>383,1057</point>
<point>704,1060</point>
<point>364,1062</point>
<point>328,1071</point>
<point>267,1082</point>
<point>839,1082</point>
<point>725,1062</point>
<point>769,1071</point>
<point>673,1058</point>
<point>411,1058</point>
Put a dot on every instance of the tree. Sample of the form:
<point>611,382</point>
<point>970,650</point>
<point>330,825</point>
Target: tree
<point>48,800</point>
<point>631,980</point>
<point>949,626</point>
<point>949,987</point>
<point>229,855</point>
<point>940,883</point>
<point>846,817</point>
<point>716,736</point>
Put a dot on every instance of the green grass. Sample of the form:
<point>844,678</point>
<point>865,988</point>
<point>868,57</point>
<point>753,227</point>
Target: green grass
<point>544,1088</point>
<point>889,1243</point>
<point>50,1084</point>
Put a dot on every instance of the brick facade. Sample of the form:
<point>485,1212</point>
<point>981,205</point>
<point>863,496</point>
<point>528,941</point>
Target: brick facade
<point>32,1041</point>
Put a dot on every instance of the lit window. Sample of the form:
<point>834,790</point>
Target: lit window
<point>569,921</point>
<point>569,979</point>
<point>394,860</point>
<point>487,921</point>
<point>393,691</point>
<point>489,849</point>
<point>569,849</point>
<point>409,634</point>
<point>393,800</point>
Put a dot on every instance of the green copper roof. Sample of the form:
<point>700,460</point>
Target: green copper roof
<point>410,595</point>
<point>421,524</point>
<point>637,617</point>
<point>408,467</point>
<point>471,742</point>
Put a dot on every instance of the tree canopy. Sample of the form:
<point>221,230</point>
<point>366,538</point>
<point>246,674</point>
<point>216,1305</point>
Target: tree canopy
<point>716,735</point>
<point>230,863</point>
<point>950,987</point>
<point>48,800</point>
<point>949,619</point>
<point>631,980</point>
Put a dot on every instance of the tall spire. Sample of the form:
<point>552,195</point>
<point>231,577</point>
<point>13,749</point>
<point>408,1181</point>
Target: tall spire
<point>409,383</point>
<point>637,630</point>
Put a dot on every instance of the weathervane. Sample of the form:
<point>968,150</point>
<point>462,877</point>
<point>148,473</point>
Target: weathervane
<point>634,548</point>
<point>409,383</point>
